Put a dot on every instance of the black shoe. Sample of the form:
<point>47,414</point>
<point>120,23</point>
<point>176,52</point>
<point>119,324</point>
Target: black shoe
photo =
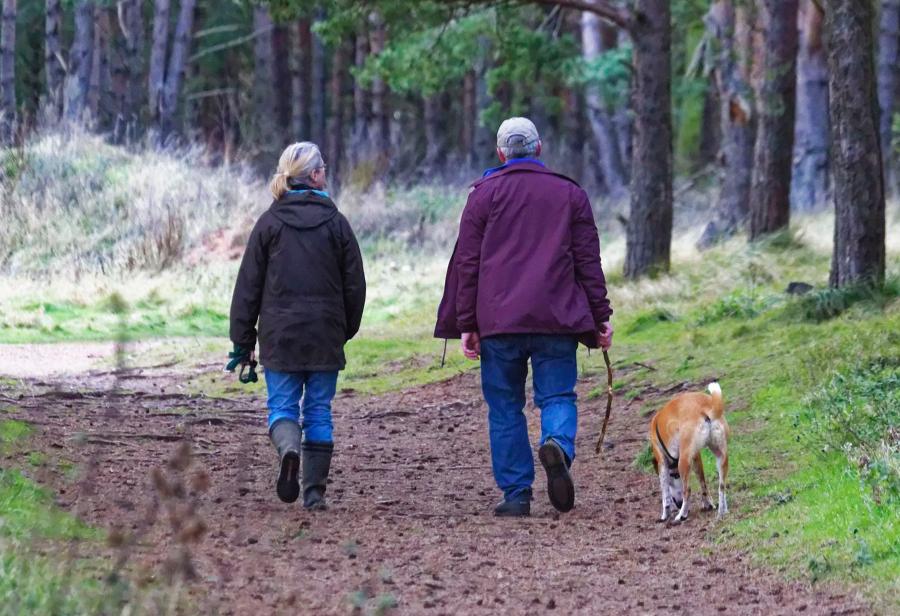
<point>560,488</point>
<point>316,464</point>
<point>518,507</point>
<point>285,435</point>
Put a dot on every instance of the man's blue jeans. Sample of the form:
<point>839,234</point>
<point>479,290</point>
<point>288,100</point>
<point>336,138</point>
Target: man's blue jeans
<point>285,390</point>
<point>504,368</point>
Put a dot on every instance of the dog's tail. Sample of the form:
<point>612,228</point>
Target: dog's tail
<point>718,404</point>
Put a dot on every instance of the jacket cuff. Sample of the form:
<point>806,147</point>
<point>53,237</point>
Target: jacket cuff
<point>465,327</point>
<point>602,316</point>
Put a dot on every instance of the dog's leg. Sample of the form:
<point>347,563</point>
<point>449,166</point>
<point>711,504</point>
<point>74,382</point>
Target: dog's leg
<point>684,469</point>
<point>722,468</point>
<point>664,490</point>
<point>704,489</point>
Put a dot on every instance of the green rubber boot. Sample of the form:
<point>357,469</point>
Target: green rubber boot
<point>316,464</point>
<point>285,435</point>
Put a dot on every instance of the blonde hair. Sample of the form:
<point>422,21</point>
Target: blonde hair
<point>297,163</point>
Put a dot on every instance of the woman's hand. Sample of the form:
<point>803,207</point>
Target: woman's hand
<point>471,345</point>
<point>604,336</point>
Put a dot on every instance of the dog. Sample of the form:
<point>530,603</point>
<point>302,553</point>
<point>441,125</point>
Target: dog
<point>678,432</point>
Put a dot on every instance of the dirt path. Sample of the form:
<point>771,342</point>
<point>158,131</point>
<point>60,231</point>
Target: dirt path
<point>410,516</point>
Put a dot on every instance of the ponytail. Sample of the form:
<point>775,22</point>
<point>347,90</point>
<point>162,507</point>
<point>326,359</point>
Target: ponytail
<point>297,163</point>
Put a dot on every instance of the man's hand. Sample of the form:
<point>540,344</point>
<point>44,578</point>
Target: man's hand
<point>471,345</point>
<point>604,336</point>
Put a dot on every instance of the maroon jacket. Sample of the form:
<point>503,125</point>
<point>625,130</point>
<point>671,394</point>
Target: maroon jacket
<point>527,260</point>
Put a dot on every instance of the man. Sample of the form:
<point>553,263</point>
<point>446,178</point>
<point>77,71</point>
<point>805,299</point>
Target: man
<point>525,282</point>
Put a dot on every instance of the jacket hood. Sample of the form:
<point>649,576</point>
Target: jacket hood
<point>304,209</point>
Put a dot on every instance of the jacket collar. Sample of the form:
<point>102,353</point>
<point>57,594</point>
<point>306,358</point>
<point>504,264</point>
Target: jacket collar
<point>511,162</point>
<point>522,165</point>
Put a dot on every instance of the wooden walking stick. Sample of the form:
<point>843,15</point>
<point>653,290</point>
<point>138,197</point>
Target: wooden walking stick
<point>609,399</point>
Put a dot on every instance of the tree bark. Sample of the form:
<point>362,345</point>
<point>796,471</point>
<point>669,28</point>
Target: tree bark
<point>888,69</point>
<point>8,73</point>
<point>380,131</point>
<point>770,194</point>
<point>303,82</point>
<point>263,80</point>
<point>809,183</point>
<point>54,64</point>
<point>469,118</point>
<point>99,91</point>
<point>156,76</point>
<point>319,87</point>
<point>600,116</point>
<point>649,232</point>
<point>334,154</point>
<point>131,22</point>
<point>282,86</point>
<point>78,80</point>
<point>175,70</point>
<point>859,225</point>
<point>731,27</point>
<point>434,143</point>
<point>359,141</point>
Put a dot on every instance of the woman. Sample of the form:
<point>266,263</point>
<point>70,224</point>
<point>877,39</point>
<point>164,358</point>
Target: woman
<point>302,277</point>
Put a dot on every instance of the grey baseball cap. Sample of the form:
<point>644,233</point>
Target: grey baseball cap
<point>517,132</point>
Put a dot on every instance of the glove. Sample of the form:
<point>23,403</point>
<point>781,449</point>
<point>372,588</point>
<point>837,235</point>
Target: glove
<point>241,357</point>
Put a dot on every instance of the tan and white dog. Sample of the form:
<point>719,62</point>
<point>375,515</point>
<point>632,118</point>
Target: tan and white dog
<point>678,432</point>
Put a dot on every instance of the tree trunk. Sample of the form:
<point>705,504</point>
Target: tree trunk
<point>319,87</point>
<point>54,64</point>
<point>8,73</point>
<point>302,83</point>
<point>175,72</point>
<point>380,132</point>
<point>156,77</point>
<point>888,68</point>
<point>732,28</point>
<point>78,80</point>
<point>434,143</point>
<point>859,225</point>
<point>131,22</point>
<point>334,154</point>
<point>770,194</point>
<point>649,233</point>
<point>359,149</point>
<point>99,91</point>
<point>711,129</point>
<point>600,116</point>
<point>809,182</point>
<point>469,118</point>
<point>282,86</point>
<point>264,118</point>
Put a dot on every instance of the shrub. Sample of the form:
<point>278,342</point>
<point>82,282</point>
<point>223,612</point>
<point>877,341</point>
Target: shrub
<point>739,304</point>
<point>824,304</point>
<point>858,412</point>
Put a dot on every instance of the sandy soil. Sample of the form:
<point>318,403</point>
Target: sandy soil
<point>411,500</point>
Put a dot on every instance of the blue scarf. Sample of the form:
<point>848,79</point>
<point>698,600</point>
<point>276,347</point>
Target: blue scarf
<point>512,161</point>
<point>303,188</point>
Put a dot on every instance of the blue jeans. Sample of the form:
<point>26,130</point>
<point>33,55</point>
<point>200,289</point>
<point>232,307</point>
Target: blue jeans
<point>504,368</point>
<point>285,390</point>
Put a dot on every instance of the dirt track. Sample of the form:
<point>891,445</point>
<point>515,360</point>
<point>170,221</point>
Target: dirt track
<point>410,515</point>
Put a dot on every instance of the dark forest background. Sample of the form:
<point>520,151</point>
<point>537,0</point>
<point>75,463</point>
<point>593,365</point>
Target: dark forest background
<point>783,105</point>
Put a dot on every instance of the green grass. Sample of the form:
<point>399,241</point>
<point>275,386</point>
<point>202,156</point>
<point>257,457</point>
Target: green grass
<point>800,501</point>
<point>31,583</point>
